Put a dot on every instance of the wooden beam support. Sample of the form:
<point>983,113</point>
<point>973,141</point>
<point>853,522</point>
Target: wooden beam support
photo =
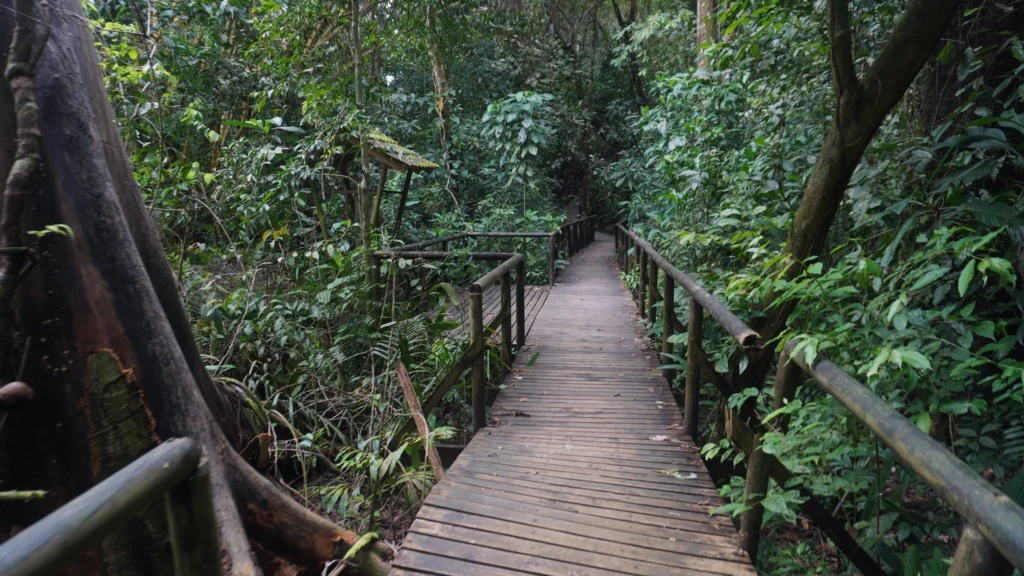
<point>375,218</point>
<point>695,338</point>
<point>402,201</point>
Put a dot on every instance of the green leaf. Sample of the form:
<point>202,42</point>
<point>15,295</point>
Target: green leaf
<point>814,269</point>
<point>966,276</point>
<point>986,329</point>
<point>915,359</point>
<point>929,277</point>
<point>924,422</point>
<point>533,359</point>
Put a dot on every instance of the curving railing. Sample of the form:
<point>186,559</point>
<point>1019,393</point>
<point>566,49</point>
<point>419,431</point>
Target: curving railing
<point>172,472</point>
<point>571,236</point>
<point>995,523</point>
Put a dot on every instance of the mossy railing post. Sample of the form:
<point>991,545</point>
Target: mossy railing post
<point>667,320</point>
<point>694,342</point>
<point>476,337</point>
<point>520,305</point>
<point>652,292</point>
<point>552,257</point>
<point>786,379</point>
<point>641,290</point>
<point>192,526</point>
<point>506,321</point>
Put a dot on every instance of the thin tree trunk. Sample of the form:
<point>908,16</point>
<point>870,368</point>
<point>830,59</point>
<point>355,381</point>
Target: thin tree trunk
<point>365,198</point>
<point>441,87</point>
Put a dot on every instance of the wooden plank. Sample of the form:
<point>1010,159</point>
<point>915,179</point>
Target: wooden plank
<point>583,468</point>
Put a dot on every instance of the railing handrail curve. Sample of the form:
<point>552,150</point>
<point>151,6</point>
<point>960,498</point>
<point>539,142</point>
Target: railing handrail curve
<point>997,517</point>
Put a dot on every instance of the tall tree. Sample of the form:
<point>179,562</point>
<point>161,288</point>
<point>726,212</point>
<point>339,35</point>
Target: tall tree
<point>95,325</point>
<point>363,187</point>
<point>862,102</point>
<point>636,83</point>
<point>707,29</point>
<point>441,87</point>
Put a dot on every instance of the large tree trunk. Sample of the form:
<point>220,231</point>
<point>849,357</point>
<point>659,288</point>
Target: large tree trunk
<point>106,344</point>
<point>862,103</point>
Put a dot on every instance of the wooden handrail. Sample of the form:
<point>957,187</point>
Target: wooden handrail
<point>987,510</point>
<point>474,355</point>
<point>173,469</point>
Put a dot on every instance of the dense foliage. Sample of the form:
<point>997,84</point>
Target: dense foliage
<point>240,116</point>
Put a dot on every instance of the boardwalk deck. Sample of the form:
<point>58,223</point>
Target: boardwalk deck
<point>533,300</point>
<point>583,470</point>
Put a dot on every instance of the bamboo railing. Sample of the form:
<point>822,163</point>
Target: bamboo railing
<point>994,533</point>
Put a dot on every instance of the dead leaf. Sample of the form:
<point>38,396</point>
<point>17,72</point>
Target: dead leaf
<point>522,399</point>
<point>650,389</point>
<point>675,426</point>
<point>704,503</point>
<point>660,438</point>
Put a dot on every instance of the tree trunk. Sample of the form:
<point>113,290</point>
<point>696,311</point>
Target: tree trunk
<point>707,29</point>
<point>363,188</point>
<point>102,333</point>
<point>441,87</point>
<point>636,83</point>
<point>862,103</point>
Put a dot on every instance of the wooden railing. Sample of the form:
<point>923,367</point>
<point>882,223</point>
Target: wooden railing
<point>172,472</point>
<point>573,236</point>
<point>995,523</point>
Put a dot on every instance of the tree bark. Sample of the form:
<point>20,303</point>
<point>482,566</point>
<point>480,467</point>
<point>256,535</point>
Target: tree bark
<point>112,359</point>
<point>363,188</point>
<point>862,103</point>
<point>441,87</point>
<point>707,29</point>
<point>636,83</point>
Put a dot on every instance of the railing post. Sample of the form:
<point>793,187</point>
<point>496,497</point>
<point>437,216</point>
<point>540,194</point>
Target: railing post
<point>520,305</point>
<point>476,337</point>
<point>652,293</point>
<point>375,279</point>
<point>552,257</point>
<point>506,322</point>
<point>667,317</point>
<point>694,340</point>
<point>568,240</point>
<point>976,555</point>
<point>786,379</point>
<point>192,526</point>
<point>641,290</point>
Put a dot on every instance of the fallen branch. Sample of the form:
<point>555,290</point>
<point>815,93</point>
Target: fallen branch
<point>421,421</point>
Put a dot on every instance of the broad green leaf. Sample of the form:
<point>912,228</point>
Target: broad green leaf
<point>966,276</point>
<point>985,329</point>
<point>929,277</point>
<point>915,359</point>
<point>924,422</point>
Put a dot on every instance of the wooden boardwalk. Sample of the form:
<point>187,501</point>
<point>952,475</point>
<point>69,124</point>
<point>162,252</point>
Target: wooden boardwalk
<point>533,300</point>
<point>583,470</point>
